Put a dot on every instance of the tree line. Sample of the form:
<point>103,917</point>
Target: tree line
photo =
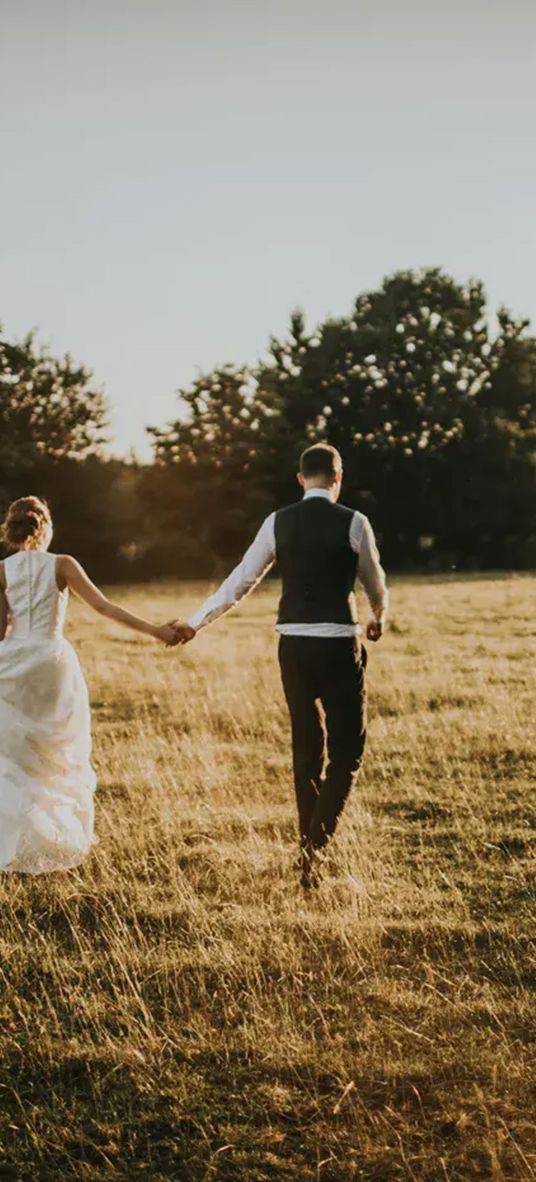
<point>432,407</point>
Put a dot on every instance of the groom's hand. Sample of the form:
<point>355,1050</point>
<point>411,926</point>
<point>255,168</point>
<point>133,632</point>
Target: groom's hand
<point>166,633</point>
<point>374,630</point>
<point>183,631</point>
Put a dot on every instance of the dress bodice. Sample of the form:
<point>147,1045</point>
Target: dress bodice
<point>37,607</point>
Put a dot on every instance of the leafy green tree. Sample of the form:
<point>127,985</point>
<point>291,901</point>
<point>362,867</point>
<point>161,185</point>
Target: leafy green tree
<point>48,407</point>
<point>52,427</point>
<point>433,412</point>
<point>428,409</point>
<point>207,485</point>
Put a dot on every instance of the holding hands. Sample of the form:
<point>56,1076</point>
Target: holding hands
<point>183,631</point>
<point>174,633</point>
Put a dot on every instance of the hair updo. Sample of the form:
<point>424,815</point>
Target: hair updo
<point>27,523</point>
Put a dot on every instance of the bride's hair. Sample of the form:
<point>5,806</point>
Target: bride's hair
<point>27,521</point>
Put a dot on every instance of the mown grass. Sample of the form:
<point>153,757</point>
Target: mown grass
<point>176,1009</point>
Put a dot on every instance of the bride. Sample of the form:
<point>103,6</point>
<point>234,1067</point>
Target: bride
<point>46,778</point>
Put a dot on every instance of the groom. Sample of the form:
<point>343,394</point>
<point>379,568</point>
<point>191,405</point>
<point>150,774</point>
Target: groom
<point>320,547</point>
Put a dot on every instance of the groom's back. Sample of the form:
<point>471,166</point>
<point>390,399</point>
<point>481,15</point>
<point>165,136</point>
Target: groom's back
<point>317,563</point>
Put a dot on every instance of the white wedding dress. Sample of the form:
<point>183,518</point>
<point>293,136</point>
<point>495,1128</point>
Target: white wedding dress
<point>46,779</point>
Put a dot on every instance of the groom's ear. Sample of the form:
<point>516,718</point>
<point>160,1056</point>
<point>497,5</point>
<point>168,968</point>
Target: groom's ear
<point>299,478</point>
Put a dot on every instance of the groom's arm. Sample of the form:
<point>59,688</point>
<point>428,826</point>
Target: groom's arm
<point>253,567</point>
<point>371,573</point>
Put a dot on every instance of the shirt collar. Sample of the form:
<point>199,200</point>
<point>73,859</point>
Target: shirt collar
<point>317,492</point>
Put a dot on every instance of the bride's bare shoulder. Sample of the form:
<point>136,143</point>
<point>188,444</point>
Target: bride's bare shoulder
<point>69,572</point>
<point>65,564</point>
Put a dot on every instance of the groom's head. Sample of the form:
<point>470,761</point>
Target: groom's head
<point>321,467</point>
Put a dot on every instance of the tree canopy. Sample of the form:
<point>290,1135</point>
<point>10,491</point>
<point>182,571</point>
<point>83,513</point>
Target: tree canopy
<point>48,406</point>
<point>434,414</point>
<point>430,398</point>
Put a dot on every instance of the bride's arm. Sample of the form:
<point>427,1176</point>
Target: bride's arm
<point>70,574</point>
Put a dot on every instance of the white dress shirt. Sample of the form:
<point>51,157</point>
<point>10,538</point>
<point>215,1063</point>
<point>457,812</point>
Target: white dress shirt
<point>261,556</point>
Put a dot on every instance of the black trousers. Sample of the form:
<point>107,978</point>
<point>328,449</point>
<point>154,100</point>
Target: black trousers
<point>324,684</point>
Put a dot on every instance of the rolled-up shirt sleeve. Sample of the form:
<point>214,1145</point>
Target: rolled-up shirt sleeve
<point>370,571</point>
<point>254,566</point>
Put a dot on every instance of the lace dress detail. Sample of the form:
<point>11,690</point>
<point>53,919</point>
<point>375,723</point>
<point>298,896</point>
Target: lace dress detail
<point>46,779</point>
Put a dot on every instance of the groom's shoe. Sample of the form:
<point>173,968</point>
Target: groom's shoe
<point>309,877</point>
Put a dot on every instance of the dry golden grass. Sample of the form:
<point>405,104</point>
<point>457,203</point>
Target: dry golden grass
<point>176,1009</point>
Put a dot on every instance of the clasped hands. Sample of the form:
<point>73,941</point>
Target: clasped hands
<point>176,632</point>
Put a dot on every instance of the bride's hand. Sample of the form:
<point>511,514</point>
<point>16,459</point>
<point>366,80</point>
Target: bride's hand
<point>183,631</point>
<point>168,635</point>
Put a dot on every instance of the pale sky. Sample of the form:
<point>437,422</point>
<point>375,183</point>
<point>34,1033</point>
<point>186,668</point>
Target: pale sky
<point>179,174</point>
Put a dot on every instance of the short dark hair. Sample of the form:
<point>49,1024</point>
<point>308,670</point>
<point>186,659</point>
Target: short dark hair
<point>321,460</point>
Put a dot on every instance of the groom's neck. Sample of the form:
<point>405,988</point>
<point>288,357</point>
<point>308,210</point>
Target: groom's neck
<point>331,489</point>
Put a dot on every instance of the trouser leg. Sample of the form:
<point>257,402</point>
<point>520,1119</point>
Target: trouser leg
<point>307,731</point>
<point>343,696</point>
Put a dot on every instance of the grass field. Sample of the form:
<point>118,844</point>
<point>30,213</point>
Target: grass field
<point>176,1010</point>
